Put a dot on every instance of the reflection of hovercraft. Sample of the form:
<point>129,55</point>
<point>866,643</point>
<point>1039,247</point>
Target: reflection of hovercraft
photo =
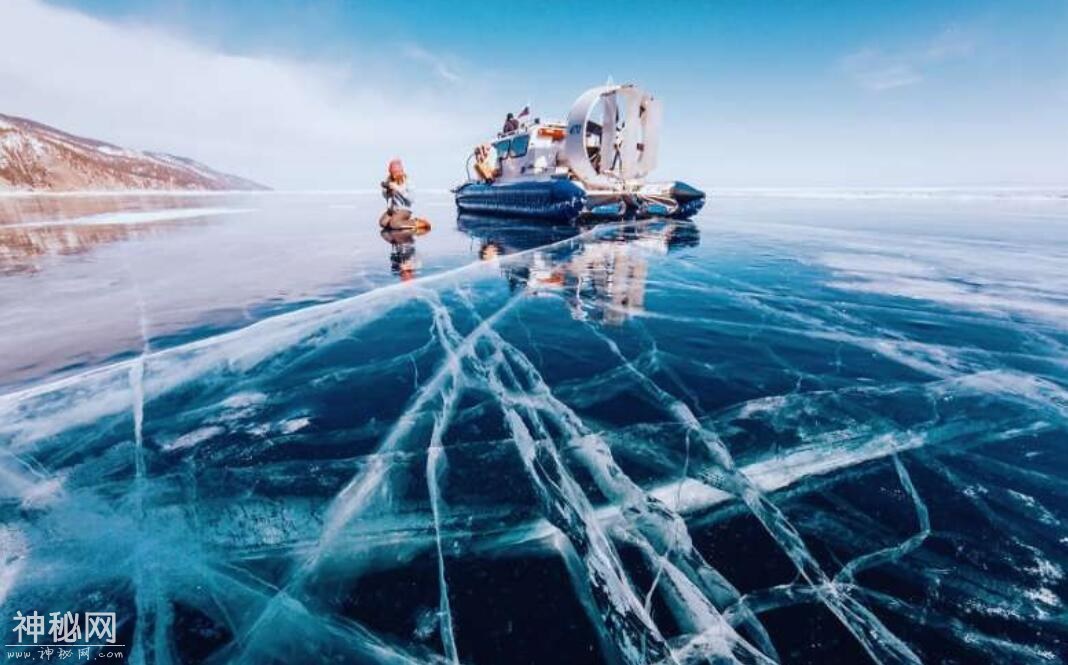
<point>592,166</point>
<point>514,235</point>
<point>508,236</point>
<point>601,276</point>
<point>659,235</point>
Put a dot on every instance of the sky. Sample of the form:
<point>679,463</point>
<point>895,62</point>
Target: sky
<point>320,94</point>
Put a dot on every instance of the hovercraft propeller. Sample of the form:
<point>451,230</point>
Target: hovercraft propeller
<point>629,135</point>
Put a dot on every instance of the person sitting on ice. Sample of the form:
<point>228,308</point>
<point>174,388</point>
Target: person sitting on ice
<point>398,214</point>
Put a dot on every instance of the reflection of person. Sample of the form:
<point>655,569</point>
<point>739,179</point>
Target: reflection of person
<point>489,251</point>
<point>402,260</point>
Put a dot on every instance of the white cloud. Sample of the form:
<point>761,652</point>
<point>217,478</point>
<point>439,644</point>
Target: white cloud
<point>950,43</point>
<point>878,69</point>
<point>436,63</point>
<point>287,123</point>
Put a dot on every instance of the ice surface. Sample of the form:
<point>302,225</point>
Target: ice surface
<point>767,436</point>
<point>108,219</point>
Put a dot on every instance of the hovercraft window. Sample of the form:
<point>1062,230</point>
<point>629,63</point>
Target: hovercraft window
<point>502,148</point>
<point>520,144</point>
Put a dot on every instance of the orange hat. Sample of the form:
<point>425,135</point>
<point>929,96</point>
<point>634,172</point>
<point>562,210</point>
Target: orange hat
<point>396,167</point>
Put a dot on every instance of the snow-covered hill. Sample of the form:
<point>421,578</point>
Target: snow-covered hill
<point>34,156</point>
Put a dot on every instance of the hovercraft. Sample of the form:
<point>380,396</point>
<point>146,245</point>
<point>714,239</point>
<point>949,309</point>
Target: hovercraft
<point>591,167</point>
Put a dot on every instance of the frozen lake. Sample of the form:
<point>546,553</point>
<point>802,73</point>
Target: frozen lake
<point>796,429</point>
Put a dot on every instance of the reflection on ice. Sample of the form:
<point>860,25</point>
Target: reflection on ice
<point>604,278</point>
<point>402,259</point>
<point>632,443</point>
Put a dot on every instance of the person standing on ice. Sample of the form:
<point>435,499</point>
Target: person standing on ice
<point>395,190</point>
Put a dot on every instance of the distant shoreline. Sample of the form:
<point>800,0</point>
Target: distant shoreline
<point>830,193</point>
<point>914,193</point>
<point>15,193</point>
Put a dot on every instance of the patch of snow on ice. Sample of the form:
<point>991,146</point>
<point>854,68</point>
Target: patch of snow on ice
<point>13,551</point>
<point>762,405</point>
<point>1046,569</point>
<point>1043,595</point>
<point>999,281</point>
<point>42,494</point>
<point>293,425</point>
<point>190,439</point>
<point>242,400</point>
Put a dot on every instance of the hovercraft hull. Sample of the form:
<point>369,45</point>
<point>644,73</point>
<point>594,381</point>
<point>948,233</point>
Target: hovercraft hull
<point>564,200</point>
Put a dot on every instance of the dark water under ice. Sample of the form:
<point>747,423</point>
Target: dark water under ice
<point>793,430</point>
